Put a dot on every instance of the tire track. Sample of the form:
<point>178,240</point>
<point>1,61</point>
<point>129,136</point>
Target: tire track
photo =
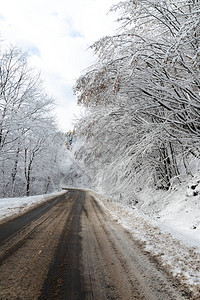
<point>18,239</point>
<point>23,272</point>
<point>134,275</point>
<point>9,229</point>
<point>67,284</point>
<point>97,281</point>
<point>126,285</point>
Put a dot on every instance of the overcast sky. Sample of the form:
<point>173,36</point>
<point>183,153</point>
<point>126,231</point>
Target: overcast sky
<point>57,33</point>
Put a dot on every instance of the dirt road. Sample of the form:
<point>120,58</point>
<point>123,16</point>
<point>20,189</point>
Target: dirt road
<point>70,248</point>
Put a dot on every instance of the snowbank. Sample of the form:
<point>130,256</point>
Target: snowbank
<point>177,211</point>
<point>168,226</point>
<point>10,207</point>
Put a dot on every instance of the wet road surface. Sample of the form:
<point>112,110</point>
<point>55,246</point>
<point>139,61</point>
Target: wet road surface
<point>70,248</point>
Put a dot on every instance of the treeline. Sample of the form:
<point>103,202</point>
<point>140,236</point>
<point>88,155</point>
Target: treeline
<point>29,139</point>
<point>142,98</point>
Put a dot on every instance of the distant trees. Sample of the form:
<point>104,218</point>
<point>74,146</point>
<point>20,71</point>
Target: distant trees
<point>143,94</point>
<point>29,138</point>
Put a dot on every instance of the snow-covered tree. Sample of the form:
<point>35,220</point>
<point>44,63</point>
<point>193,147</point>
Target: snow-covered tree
<point>29,139</point>
<point>143,94</point>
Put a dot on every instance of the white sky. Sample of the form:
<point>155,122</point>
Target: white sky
<point>57,33</point>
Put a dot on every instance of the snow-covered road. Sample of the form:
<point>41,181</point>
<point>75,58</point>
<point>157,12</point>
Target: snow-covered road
<point>76,250</point>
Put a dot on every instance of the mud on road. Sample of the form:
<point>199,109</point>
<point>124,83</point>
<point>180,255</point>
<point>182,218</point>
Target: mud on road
<point>74,250</point>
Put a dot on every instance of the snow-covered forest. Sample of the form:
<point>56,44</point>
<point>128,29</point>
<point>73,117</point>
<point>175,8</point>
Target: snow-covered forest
<point>135,152</point>
<point>30,144</point>
<point>142,100</point>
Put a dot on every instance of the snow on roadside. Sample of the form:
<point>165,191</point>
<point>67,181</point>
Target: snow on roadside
<point>166,238</point>
<point>177,210</point>
<point>10,207</point>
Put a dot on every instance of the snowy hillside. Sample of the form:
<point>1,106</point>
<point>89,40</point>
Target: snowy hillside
<point>177,210</point>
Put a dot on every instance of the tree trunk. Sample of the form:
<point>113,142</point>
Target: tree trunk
<point>14,172</point>
<point>28,179</point>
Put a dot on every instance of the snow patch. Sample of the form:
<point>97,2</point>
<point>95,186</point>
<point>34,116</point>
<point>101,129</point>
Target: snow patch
<point>9,207</point>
